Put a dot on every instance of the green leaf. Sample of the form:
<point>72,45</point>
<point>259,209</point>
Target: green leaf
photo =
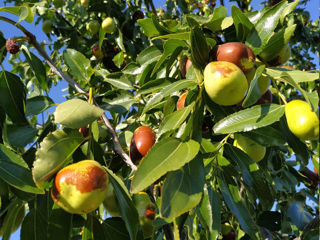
<point>265,27</point>
<point>120,104</point>
<point>149,55</point>
<point>38,68</point>
<point>249,119</point>
<point>167,155</point>
<point>34,226</point>
<point>289,8</point>
<point>161,29</point>
<point>297,75</point>
<point>154,86</point>
<point>55,150</point>
<point>20,136</point>
<point>148,27</point>
<point>254,93</point>
<point>314,99</point>
<point>216,22</point>
<point>199,48</point>
<point>79,65</point>
<point>76,113</point>
<point>12,97</point>
<point>277,42</point>
<point>38,104</point>
<point>266,136</point>
<point>298,215</point>
<point>15,171</point>
<point>126,206</point>
<point>110,229</point>
<point>176,86</point>
<point>252,175</point>
<point>174,120</point>
<point>24,12</point>
<point>181,191</point>
<point>241,22</point>
<point>178,36</point>
<point>232,198</point>
<point>169,47</point>
<point>117,80</point>
<point>87,231</point>
<point>60,225</point>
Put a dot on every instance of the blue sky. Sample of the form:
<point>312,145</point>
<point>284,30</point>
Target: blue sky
<point>56,92</point>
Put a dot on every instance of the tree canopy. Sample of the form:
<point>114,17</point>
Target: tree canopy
<point>201,125</point>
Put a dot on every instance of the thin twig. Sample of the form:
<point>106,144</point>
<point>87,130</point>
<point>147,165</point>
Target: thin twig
<point>73,84</point>
<point>221,2</point>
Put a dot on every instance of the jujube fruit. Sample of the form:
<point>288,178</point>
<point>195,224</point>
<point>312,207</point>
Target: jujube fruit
<point>146,212</point>
<point>81,187</point>
<point>181,101</point>
<point>97,52</point>
<point>225,83</point>
<point>188,64</point>
<point>12,46</point>
<point>142,140</point>
<point>108,25</point>
<point>236,53</point>
<point>47,26</point>
<point>302,122</point>
<point>93,27</point>
<point>138,15</point>
<point>227,232</point>
<point>254,150</point>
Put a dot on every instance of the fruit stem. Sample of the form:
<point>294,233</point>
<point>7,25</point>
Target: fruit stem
<point>90,100</point>
<point>279,93</point>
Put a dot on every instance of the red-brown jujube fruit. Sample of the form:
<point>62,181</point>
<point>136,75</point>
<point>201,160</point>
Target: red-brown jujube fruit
<point>236,53</point>
<point>142,140</point>
<point>12,46</point>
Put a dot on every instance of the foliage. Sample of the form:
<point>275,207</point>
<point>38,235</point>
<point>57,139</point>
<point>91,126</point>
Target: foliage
<point>194,176</point>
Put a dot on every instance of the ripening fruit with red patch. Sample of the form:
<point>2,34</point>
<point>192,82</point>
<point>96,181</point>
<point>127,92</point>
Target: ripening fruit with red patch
<point>236,53</point>
<point>225,83</point>
<point>188,64</point>
<point>181,101</point>
<point>81,187</point>
<point>142,140</point>
<point>97,52</point>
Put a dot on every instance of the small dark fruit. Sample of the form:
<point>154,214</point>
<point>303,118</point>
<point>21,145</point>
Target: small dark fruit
<point>236,53</point>
<point>138,15</point>
<point>141,142</point>
<point>12,46</point>
<point>84,131</point>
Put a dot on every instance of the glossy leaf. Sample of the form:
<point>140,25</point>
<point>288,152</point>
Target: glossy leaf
<point>254,93</point>
<point>249,119</point>
<point>148,27</point>
<point>110,229</point>
<point>199,48</point>
<point>297,75</point>
<point>265,27</point>
<point>76,113</point>
<point>167,155</point>
<point>175,119</point>
<point>34,226</point>
<point>181,192</point>
<point>266,136</point>
<point>149,55</point>
<point>241,22</point>
<point>24,12</point>
<point>20,136</point>
<point>126,206</point>
<point>154,86</point>
<point>55,150</point>
<point>38,104</point>
<point>232,198</point>
<point>178,36</point>
<point>15,171</point>
<point>117,80</point>
<point>60,225</point>
<point>176,86</point>
<point>12,97</point>
<point>298,215</point>
<point>120,104</point>
<point>79,65</point>
<point>216,22</point>
<point>38,68</point>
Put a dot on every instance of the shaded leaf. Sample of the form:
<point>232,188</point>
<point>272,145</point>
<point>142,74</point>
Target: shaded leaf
<point>38,104</point>
<point>55,150</point>
<point>34,226</point>
<point>167,155</point>
<point>60,225</point>
<point>76,113</point>
<point>20,136</point>
<point>241,22</point>
<point>15,171</point>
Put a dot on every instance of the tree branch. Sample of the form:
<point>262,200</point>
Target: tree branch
<point>73,84</point>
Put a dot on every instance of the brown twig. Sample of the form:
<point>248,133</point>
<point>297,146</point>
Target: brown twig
<point>221,2</point>
<point>73,84</point>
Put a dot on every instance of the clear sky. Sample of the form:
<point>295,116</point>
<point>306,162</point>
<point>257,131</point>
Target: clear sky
<point>56,93</point>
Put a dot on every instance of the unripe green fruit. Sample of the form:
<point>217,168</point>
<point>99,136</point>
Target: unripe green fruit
<point>93,27</point>
<point>254,150</point>
<point>47,26</point>
<point>225,228</point>
<point>225,83</point>
<point>81,187</point>
<point>58,3</point>
<point>108,25</point>
<point>110,202</point>
<point>302,122</point>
